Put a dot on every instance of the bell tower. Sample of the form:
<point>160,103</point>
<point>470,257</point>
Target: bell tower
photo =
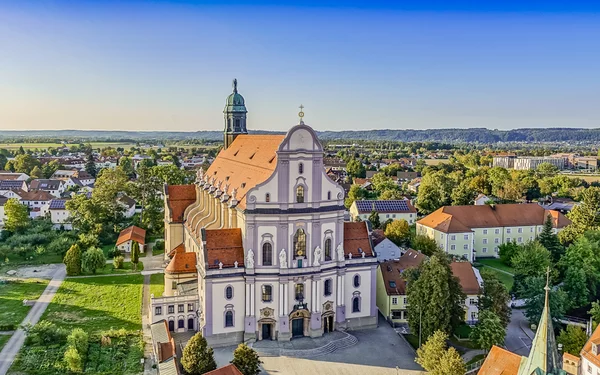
<point>235,116</point>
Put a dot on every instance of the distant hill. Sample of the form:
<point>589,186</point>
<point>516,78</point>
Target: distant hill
<point>474,135</point>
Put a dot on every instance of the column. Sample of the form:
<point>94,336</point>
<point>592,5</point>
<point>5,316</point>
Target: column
<point>281,302</point>
<point>286,292</point>
<point>317,296</point>
<point>338,288</point>
<point>247,299</point>
<point>313,296</point>
<point>252,288</point>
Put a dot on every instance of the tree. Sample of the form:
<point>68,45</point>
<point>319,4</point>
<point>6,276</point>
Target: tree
<point>126,165</point>
<point>532,290</point>
<point>93,259</point>
<point>90,164</point>
<point>388,195</point>
<point>398,231</point>
<point>584,217</point>
<point>532,260</point>
<point>355,193</point>
<point>198,358</point>
<point>463,194</point>
<point>25,163</point>
<point>49,168</point>
<point>246,360</point>
<point>489,330</point>
<point>550,241</point>
<point>507,251</point>
<point>546,170</point>
<point>87,240</point>
<point>374,219</point>
<point>17,216</point>
<point>434,192</point>
<point>381,182</point>
<point>494,297</point>
<point>437,359</point>
<point>572,339</point>
<point>36,172</point>
<point>169,174</point>
<point>435,297</point>
<point>73,260</point>
<point>135,254</point>
<point>595,312</point>
<point>73,360</point>
<point>424,244</point>
<point>355,168</point>
<point>581,265</point>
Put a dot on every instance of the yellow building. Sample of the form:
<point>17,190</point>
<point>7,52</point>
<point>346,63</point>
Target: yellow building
<point>477,231</point>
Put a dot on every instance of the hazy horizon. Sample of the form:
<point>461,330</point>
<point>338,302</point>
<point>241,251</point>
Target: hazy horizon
<point>168,65</point>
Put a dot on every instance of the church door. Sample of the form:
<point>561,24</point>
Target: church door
<point>266,332</point>
<point>171,325</point>
<point>329,324</point>
<point>298,327</point>
<point>190,324</point>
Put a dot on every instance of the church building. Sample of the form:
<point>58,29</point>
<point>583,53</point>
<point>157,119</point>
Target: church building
<point>258,248</point>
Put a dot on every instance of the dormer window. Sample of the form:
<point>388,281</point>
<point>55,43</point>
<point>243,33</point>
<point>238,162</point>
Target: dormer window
<point>300,194</point>
<point>300,168</point>
<point>595,349</point>
<point>267,197</point>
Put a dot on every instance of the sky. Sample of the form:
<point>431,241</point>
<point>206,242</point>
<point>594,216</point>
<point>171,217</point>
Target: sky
<point>168,65</point>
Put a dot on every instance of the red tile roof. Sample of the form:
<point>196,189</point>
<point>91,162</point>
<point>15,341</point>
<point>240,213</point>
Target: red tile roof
<point>224,246</point>
<point>500,362</point>
<point>248,161</point>
<point>356,236</point>
<point>40,195</point>
<point>179,249</point>
<point>182,263</point>
<point>465,274</point>
<point>392,270</point>
<point>132,233</point>
<point>179,197</point>
<point>230,369</point>
<point>587,353</point>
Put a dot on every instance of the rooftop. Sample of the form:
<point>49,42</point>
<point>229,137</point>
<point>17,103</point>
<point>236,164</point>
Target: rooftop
<point>395,206</point>
<point>133,233</point>
<point>356,239</point>
<point>224,246</point>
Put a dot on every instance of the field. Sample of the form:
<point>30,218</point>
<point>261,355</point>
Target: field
<point>157,284</point>
<point>109,269</point>
<point>15,260</point>
<point>3,340</point>
<point>435,161</point>
<point>12,294</point>
<point>496,266</point>
<point>589,179</point>
<point>14,146</point>
<point>97,304</point>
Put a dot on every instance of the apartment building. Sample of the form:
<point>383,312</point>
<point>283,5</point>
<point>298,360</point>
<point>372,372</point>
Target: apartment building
<point>477,231</point>
<point>532,162</point>
<point>392,209</point>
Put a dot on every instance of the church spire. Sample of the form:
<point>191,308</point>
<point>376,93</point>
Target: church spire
<point>543,357</point>
<point>235,116</point>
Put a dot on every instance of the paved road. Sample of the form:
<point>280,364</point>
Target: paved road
<point>12,347</point>
<point>518,334</point>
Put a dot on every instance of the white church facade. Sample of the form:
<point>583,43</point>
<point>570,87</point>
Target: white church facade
<point>258,247</point>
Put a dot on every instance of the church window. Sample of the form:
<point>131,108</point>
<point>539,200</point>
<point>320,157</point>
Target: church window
<point>237,124</point>
<point>229,319</point>
<point>356,304</point>
<point>267,254</point>
<point>300,168</point>
<point>299,292</point>
<point>267,293</point>
<point>229,292</point>
<point>300,243</point>
<point>327,287</point>
<point>328,249</point>
<point>229,124</point>
<point>267,197</point>
<point>300,194</point>
<point>356,281</point>
<point>328,195</point>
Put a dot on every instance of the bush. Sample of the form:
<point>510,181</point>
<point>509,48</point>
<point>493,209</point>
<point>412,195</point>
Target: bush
<point>60,245</point>
<point>114,252</point>
<point>118,262</point>
<point>74,360</point>
<point>159,245</point>
<point>45,333</point>
<point>72,260</point>
<point>93,259</point>
<point>79,340</point>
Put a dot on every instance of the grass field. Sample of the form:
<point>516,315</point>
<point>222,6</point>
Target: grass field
<point>3,340</point>
<point>109,269</point>
<point>157,284</point>
<point>98,303</point>
<point>504,278</point>
<point>15,260</point>
<point>588,179</point>
<point>12,294</point>
<point>14,146</point>
<point>496,263</point>
<point>435,161</point>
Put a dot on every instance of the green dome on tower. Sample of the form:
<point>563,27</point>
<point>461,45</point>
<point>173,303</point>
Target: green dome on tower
<point>235,102</point>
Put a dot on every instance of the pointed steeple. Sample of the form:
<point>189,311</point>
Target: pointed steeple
<point>235,116</point>
<point>543,358</point>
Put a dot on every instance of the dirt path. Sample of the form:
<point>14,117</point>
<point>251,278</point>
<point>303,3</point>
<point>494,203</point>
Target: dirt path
<point>12,347</point>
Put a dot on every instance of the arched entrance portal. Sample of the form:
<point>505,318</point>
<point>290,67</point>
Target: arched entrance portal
<point>266,324</point>
<point>299,322</point>
<point>327,318</point>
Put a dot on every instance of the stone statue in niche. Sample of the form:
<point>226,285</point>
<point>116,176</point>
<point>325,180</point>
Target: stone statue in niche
<point>317,256</point>
<point>282,259</point>
<point>340,252</point>
<point>250,259</point>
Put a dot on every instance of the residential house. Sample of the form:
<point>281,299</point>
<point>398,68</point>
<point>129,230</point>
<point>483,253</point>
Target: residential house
<point>54,187</point>
<point>129,205</point>
<point>477,231</point>
<point>3,200</point>
<point>589,360</point>
<point>37,201</point>
<point>229,369</point>
<point>14,185</point>
<point>130,235</point>
<point>586,162</point>
<point>392,209</point>
<point>481,199</point>
<point>364,183</point>
<point>164,349</point>
<point>470,282</point>
<point>59,215</point>
<point>66,175</point>
<point>414,184</point>
<point>384,247</point>
<point>404,176</point>
<point>336,164</point>
<point>5,175</point>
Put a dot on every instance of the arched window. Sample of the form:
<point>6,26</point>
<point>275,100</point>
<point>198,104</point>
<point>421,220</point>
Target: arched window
<point>300,194</point>
<point>267,293</point>
<point>328,195</point>
<point>327,287</point>
<point>267,197</point>
<point>180,323</point>
<point>237,124</point>
<point>328,249</point>
<point>300,168</point>
<point>229,292</point>
<point>300,243</point>
<point>299,292</point>
<point>229,124</point>
<point>267,254</point>
<point>356,304</point>
<point>229,319</point>
<point>356,281</point>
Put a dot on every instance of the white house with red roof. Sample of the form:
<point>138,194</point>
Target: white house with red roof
<point>130,235</point>
<point>264,227</point>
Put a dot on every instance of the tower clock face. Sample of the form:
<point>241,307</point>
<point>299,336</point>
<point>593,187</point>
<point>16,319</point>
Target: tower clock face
<point>300,252</point>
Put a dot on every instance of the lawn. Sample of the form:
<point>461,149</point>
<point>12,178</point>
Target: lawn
<point>109,269</point>
<point>496,263</point>
<point>15,260</point>
<point>3,340</point>
<point>12,294</point>
<point>504,278</point>
<point>157,284</point>
<point>96,304</point>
